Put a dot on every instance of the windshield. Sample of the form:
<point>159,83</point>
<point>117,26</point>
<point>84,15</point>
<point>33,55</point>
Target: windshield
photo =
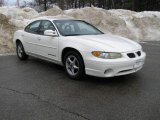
<point>76,27</point>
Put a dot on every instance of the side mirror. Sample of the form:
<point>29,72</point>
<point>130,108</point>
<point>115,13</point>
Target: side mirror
<point>50,33</point>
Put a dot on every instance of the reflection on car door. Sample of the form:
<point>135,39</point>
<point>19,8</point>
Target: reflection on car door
<point>48,45</point>
<point>31,37</point>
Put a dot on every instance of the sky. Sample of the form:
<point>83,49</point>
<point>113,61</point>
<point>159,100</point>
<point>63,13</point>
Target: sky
<point>13,2</point>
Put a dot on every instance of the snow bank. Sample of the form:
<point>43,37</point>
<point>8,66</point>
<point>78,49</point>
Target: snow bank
<point>139,26</point>
<point>12,19</point>
<point>144,26</point>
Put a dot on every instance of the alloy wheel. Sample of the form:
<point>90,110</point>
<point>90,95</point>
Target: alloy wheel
<point>72,65</point>
<point>20,51</point>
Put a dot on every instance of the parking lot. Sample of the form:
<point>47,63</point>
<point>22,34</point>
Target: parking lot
<point>40,90</point>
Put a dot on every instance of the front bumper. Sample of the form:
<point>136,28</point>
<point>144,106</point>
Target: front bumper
<point>113,67</point>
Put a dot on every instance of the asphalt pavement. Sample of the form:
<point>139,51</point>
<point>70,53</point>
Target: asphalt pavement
<point>40,90</point>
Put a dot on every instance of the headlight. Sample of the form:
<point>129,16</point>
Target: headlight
<point>106,55</point>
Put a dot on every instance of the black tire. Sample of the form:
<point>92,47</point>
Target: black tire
<point>79,64</point>
<point>20,51</point>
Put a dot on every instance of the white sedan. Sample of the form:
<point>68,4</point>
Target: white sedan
<point>80,47</point>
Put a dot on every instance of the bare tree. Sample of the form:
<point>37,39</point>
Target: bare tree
<point>45,5</point>
<point>17,2</point>
<point>113,4</point>
<point>61,4</point>
<point>1,2</point>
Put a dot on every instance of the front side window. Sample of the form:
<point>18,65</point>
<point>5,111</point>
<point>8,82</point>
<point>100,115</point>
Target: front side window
<point>76,27</point>
<point>33,27</point>
<point>46,25</point>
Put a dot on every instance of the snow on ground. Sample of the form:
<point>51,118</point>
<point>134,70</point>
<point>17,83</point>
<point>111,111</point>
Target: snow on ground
<point>138,26</point>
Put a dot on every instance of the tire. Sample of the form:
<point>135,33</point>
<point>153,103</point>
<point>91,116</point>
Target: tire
<point>20,51</point>
<point>74,65</point>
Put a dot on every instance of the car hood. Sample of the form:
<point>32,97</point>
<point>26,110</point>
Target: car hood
<point>107,42</point>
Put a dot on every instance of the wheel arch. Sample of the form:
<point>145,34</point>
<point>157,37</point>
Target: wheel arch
<point>67,49</point>
<point>17,41</point>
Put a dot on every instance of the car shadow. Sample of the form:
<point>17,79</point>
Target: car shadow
<point>112,80</point>
<point>122,85</point>
<point>124,79</point>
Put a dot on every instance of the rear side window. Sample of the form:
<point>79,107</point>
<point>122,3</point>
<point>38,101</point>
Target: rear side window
<point>33,27</point>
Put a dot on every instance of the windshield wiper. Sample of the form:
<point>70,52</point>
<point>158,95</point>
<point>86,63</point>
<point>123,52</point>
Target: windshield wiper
<point>72,34</point>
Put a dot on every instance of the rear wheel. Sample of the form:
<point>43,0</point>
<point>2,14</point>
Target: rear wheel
<point>74,65</point>
<point>20,51</point>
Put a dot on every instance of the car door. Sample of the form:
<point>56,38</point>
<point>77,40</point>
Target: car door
<point>31,37</point>
<point>48,44</point>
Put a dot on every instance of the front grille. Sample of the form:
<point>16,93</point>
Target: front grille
<point>139,53</point>
<point>131,55</point>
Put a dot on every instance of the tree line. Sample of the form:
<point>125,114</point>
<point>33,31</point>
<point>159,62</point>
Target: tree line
<point>105,4</point>
<point>135,5</point>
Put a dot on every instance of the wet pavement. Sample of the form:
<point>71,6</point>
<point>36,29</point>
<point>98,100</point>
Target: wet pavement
<point>40,90</point>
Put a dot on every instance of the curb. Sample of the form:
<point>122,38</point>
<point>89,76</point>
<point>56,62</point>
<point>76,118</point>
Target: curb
<point>7,54</point>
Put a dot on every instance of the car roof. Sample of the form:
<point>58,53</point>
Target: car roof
<point>51,18</point>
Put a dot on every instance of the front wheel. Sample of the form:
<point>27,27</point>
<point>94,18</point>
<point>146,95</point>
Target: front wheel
<point>20,51</point>
<point>74,65</point>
